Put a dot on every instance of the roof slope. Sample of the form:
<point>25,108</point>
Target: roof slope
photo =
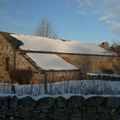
<point>50,62</point>
<point>35,43</point>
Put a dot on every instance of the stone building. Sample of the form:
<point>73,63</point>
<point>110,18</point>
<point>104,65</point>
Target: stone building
<point>32,59</point>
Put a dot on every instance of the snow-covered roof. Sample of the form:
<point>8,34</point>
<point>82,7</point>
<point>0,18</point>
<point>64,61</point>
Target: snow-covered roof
<point>35,43</point>
<point>50,62</point>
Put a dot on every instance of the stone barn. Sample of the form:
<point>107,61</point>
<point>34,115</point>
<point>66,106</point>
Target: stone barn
<point>32,59</point>
<point>24,66</point>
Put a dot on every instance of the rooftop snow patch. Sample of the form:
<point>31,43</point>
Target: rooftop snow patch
<point>35,43</point>
<point>50,62</point>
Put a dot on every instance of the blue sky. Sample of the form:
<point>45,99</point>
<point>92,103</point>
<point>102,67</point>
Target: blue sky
<point>84,20</point>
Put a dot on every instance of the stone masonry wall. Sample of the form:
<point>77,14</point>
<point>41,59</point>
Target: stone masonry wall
<point>55,76</point>
<point>92,63</point>
<point>23,63</point>
<point>6,51</point>
<point>49,108</point>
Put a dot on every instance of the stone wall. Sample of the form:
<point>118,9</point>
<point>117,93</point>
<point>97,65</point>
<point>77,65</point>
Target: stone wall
<point>23,63</point>
<point>93,63</point>
<point>55,76</point>
<point>49,108</point>
<point>6,51</point>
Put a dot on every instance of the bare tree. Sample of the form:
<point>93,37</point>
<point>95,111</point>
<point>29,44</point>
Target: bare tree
<point>45,29</point>
<point>115,47</point>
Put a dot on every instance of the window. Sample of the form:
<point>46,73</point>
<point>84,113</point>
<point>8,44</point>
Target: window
<point>7,63</point>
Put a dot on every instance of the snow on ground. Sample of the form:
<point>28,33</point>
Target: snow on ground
<point>84,87</point>
<point>36,43</point>
<point>103,74</point>
<point>50,62</point>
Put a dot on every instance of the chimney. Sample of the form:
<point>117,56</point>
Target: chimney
<point>105,45</point>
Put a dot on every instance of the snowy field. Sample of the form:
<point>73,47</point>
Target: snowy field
<point>84,87</point>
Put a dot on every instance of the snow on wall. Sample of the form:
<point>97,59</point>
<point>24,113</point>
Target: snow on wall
<point>103,74</point>
<point>36,43</point>
<point>50,62</point>
<point>86,87</point>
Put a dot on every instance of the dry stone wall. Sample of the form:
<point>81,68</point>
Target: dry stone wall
<point>49,108</point>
